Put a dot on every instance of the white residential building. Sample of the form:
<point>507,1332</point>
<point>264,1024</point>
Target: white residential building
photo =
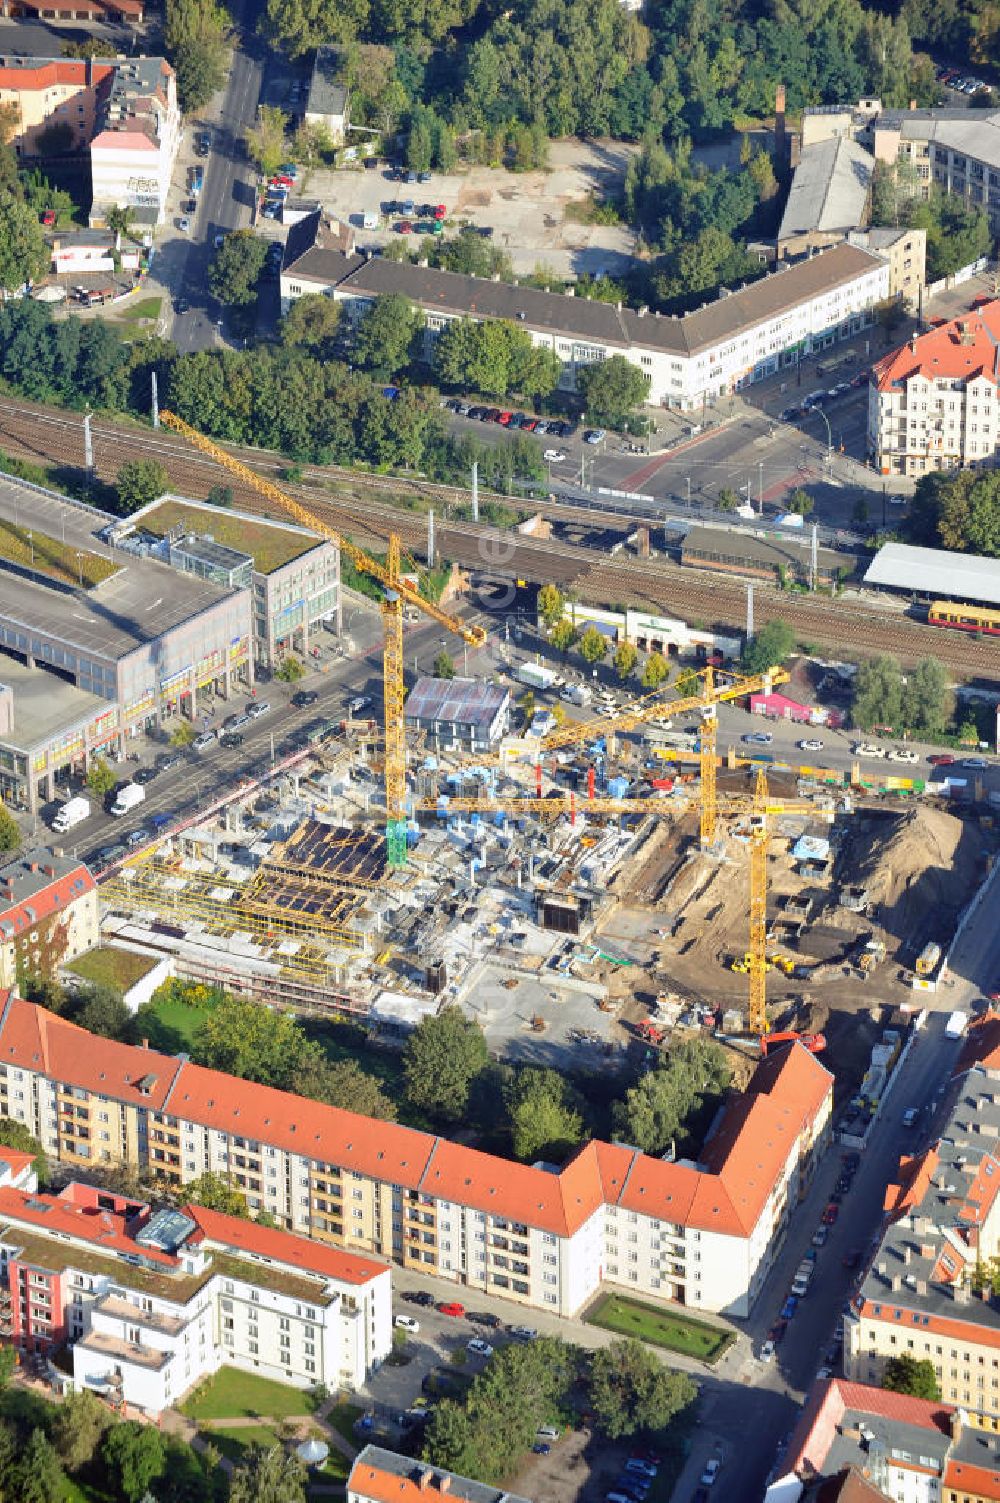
<point>151,1303</point>
<point>934,404</point>
<point>739,338</point>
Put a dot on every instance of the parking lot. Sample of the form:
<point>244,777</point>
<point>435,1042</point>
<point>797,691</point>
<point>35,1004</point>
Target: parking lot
<point>526,212</point>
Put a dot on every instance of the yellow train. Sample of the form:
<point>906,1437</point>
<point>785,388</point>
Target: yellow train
<point>980,618</point>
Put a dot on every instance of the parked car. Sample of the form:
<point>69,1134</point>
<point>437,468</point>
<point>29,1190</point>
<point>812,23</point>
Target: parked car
<point>594,436</point>
<point>407,1323</point>
<point>831,1213</point>
<point>766,1353</point>
<point>257,708</point>
<point>541,1448</point>
<point>480,1318</point>
<point>712,1469</point>
<point>820,1235</point>
<point>184,224</point>
<point>451,1307</point>
<point>145,774</point>
<point>166,760</point>
<point>810,745</point>
<point>903,754</point>
<point>137,837</point>
<point>789,414</point>
<point>789,1308</point>
<point>304,697</point>
<point>554,456</point>
<point>973,762</point>
<point>547,1432</point>
<point>419,1297</point>
<point>478,1347</point>
<point>231,740</point>
<point>758,738</point>
<point>523,1333</point>
<point>204,742</point>
<point>867,749</point>
<point>942,759</point>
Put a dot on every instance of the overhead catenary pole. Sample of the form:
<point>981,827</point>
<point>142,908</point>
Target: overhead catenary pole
<point>813,557</point>
<point>475,492</point>
<point>156,403</point>
<point>430,538</point>
<point>749,610</point>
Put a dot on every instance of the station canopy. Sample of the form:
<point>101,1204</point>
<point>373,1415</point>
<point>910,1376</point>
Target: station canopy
<point>963,577</point>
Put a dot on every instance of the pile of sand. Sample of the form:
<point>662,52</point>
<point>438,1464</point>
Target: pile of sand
<point>921,867</point>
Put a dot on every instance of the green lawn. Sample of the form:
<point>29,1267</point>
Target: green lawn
<point>271,546</point>
<point>34,549</point>
<point>666,1328</point>
<point>343,1419</point>
<point>171,1026</point>
<point>119,969</point>
<point>234,1444</point>
<point>147,307</point>
<point>231,1394</point>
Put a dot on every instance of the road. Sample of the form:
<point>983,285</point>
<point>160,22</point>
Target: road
<point>226,200</point>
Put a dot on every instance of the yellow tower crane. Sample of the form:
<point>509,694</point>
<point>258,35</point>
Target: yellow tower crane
<point>395,592</point>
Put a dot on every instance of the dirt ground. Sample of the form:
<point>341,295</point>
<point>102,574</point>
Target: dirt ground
<point>919,865</point>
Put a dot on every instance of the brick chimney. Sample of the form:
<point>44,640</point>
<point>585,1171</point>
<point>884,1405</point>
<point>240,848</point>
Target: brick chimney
<point>444,1483</point>
<point>955,1425</point>
<point>424,1479</point>
<point>780,133</point>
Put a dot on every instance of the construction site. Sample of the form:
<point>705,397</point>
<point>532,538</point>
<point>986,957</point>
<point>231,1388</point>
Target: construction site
<point>578,893</point>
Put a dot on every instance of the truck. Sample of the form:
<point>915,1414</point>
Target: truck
<point>928,958</point>
<point>73,812</point>
<point>537,676</point>
<point>576,694</point>
<point>197,180</point>
<point>128,797</point>
<point>955,1026</point>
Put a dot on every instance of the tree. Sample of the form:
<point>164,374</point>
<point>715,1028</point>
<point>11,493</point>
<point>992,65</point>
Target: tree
<point>654,670</point>
<point>182,734</point>
<point>39,1477</point>
<point>78,1426</point>
<point>631,1391</point>
<point>290,670</point>
<point>444,666</point>
<point>24,255</point>
<point>878,693</point>
<point>313,144</point>
<point>344,1083</point>
<point>216,1194</point>
<point>268,1477</point>
<point>657,1109</point>
<point>928,701</point>
<point>495,357</point>
<point>220,495</point>
<point>442,1058</point>
<point>545,1120</point>
<point>728,499</point>
<point>687,683</point>
<point>138,482</point>
<point>626,657</point>
<point>860,512</point>
<point>551,604</point>
<point>134,1457</point>
<point>14,1134</point>
<point>969,513</point>
<point>800,502</point>
<point>593,645</point>
<point>386,335</point>
<point>311,324</point>
<point>10,831</point>
<point>254,1043</point>
<point>119,220</point>
<point>196,38</point>
<point>303,25</point>
<point>769,647</point>
<point>612,389</point>
<point>563,635</point>
<point>8,1362</point>
<point>236,268</point>
<point>101,1010</point>
<point>906,1374</point>
<point>265,141</point>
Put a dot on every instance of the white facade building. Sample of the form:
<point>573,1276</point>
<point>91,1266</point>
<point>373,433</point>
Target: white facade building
<point>719,348</point>
<point>934,404</point>
<point>152,1303</point>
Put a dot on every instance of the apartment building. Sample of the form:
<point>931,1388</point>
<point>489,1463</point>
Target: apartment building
<point>926,1293</point>
<point>704,1234</point>
<point>934,404</point>
<point>122,111</point>
<point>881,1445</point>
<point>741,337</point>
<point>381,1476</point>
<point>150,1302</point>
<point>48,913</point>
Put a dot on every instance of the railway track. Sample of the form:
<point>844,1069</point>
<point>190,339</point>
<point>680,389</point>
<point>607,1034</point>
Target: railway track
<point>50,435</point>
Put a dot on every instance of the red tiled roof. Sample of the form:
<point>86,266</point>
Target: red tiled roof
<point>312,1129</point>
<point>16,1162</point>
<point>914,1175</point>
<point>968,1329</point>
<point>960,349</point>
<point>982,1044</point>
<point>26,913</point>
<point>972,1481</point>
<point>51,1214</point>
<point>300,1253</point>
<point>50,73</point>
<point>743,1162</point>
<point>33,1039</point>
<point>825,1409</point>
